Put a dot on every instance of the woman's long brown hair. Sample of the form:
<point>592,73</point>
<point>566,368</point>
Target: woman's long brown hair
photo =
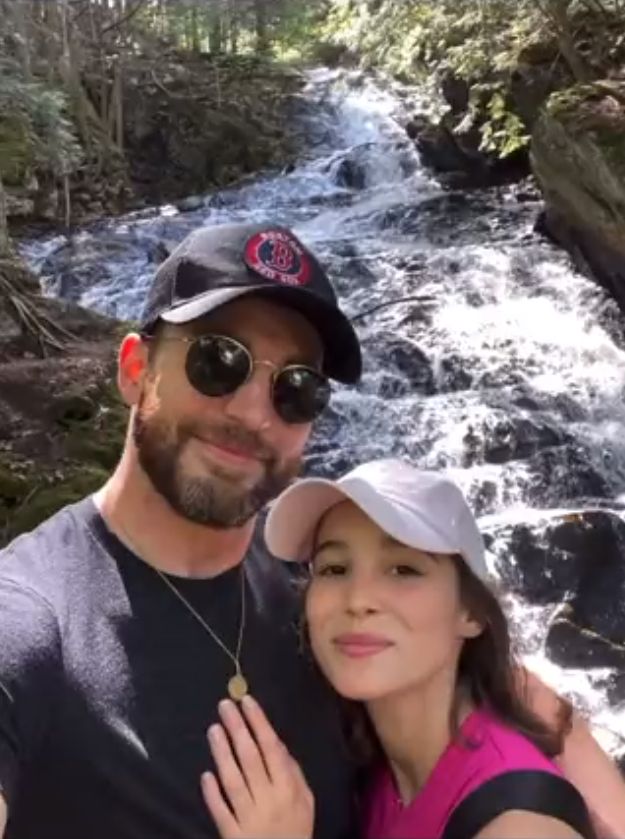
<point>487,672</point>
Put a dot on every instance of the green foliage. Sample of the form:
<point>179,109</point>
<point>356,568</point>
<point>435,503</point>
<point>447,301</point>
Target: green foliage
<point>35,131</point>
<point>475,40</point>
<point>503,132</point>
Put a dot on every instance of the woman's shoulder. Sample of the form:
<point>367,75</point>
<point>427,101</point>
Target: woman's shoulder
<point>495,747</point>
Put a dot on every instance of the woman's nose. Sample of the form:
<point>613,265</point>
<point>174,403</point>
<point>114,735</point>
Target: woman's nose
<point>360,596</point>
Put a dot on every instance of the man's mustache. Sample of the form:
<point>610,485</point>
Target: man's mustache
<point>230,436</point>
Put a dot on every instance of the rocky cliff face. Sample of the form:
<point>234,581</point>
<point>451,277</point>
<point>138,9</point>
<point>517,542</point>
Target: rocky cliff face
<point>61,422</point>
<point>578,157</point>
<point>191,123</point>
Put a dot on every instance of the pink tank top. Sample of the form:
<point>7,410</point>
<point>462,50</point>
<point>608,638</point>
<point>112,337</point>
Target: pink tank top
<point>484,748</point>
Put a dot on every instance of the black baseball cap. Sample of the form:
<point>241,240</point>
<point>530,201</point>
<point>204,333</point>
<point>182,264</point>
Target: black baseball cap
<point>215,265</point>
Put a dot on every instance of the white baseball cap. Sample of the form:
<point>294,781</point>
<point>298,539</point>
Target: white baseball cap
<point>424,510</point>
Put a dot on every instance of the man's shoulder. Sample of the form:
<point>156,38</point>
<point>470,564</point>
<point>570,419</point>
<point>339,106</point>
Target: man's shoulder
<point>281,583</point>
<point>34,557</point>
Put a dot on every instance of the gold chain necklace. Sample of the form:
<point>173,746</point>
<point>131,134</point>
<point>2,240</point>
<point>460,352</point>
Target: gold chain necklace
<point>237,684</point>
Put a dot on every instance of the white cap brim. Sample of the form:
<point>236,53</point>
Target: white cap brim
<point>293,519</point>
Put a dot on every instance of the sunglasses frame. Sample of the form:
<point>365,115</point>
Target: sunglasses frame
<point>253,363</point>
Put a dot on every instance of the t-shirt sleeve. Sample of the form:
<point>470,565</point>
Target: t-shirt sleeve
<point>30,664</point>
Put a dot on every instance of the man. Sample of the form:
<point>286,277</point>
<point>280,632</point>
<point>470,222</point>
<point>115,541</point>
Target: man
<point>126,618</point>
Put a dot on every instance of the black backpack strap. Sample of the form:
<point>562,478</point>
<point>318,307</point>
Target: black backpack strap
<point>531,790</point>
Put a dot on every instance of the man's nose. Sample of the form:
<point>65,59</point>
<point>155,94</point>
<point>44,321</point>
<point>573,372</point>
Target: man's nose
<point>251,404</point>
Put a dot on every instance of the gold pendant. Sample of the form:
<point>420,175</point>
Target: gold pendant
<point>237,687</point>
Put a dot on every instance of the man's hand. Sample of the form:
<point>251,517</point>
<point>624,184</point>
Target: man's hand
<point>266,794</point>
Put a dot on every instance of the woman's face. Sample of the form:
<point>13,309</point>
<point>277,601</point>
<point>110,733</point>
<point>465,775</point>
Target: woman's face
<point>383,618</point>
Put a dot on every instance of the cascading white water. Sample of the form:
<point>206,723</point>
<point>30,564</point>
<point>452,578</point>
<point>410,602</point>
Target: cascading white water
<point>506,366</point>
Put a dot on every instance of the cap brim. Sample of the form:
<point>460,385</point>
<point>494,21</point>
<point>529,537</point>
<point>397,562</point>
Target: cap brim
<point>293,519</point>
<point>342,357</point>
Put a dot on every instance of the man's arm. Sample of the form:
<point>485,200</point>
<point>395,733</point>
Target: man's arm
<point>30,672</point>
<point>584,763</point>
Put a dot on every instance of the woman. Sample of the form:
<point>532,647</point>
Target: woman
<point>403,625</point>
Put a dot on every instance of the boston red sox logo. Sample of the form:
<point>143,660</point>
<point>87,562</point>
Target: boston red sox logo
<point>281,257</point>
<point>276,255</point>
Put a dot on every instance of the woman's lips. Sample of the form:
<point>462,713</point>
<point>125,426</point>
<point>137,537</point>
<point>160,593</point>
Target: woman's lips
<point>361,645</point>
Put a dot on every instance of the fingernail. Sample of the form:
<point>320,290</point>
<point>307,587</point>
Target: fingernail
<point>226,706</point>
<point>214,732</point>
<point>248,701</point>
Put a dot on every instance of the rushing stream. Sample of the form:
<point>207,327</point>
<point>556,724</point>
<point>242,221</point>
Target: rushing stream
<point>505,365</point>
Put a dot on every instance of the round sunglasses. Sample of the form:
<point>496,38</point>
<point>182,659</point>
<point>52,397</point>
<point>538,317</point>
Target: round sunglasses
<point>217,365</point>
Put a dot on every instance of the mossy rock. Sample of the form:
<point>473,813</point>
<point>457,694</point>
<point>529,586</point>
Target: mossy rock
<point>42,499</point>
<point>578,156</point>
<point>99,441</point>
<point>30,492</point>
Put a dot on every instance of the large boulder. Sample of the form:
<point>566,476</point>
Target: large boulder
<point>451,147</point>
<point>578,156</point>
<point>576,559</point>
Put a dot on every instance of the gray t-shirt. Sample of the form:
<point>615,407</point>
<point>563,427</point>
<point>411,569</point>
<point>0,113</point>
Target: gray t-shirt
<point>108,684</point>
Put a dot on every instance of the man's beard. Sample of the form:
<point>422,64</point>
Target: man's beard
<point>217,500</point>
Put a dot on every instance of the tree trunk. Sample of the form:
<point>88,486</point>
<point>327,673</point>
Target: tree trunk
<point>195,31</point>
<point>4,227</point>
<point>262,33</point>
<point>19,14</point>
<point>119,103</point>
<point>234,34</point>
<point>215,34</point>
<point>557,12</point>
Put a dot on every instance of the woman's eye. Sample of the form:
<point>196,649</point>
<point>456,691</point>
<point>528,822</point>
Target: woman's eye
<point>330,569</point>
<point>405,571</point>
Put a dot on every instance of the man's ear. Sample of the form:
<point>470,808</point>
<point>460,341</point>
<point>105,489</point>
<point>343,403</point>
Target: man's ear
<point>132,365</point>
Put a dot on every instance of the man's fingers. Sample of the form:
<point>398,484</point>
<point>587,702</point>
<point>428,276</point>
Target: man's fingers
<point>272,749</point>
<point>226,823</point>
<point>245,748</point>
<point>230,775</point>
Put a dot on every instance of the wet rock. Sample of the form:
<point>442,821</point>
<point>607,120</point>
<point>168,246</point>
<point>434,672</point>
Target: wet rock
<point>192,202</point>
<point>532,565</point>
<point>568,471</point>
<point>616,688</point>
<point>350,174</point>
<point>452,374</point>
<point>159,251</point>
<point>456,92</point>
<point>406,367</point>
<point>518,438</point>
<point>577,558</point>
<point>571,645</point>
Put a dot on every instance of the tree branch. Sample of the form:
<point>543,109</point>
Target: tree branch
<point>124,18</point>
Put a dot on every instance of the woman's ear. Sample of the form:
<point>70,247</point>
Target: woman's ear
<point>470,627</point>
<point>132,364</point>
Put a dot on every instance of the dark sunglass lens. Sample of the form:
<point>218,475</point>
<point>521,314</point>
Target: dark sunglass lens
<point>217,365</point>
<point>300,394</point>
